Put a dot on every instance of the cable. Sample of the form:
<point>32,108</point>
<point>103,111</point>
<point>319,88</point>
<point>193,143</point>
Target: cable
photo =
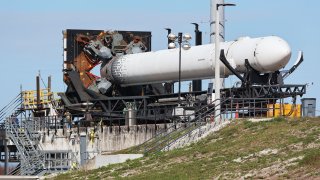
<point>43,82</point>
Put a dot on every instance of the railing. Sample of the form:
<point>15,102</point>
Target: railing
<point>30,98</point>
<point>47,123</point>
<point>161,139</point>
<point>22,134</point>
<point>16,170</point>
<point>231,108</point>
<point>53,123</point>
<point>25,134</point>
<point>164,139</point>
<point>250,107</point>
<point>191,129</point>
<point>33,138</point>
<point>11,109</point>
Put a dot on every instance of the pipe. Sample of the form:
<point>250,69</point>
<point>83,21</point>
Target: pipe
<point>6,154</point>
<point>197,84</point>
<point>170,84</point>
<point>49,88</point>
<point>38,92</point>
<point>221,33</point>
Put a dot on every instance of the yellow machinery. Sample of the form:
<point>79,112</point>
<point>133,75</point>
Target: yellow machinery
<point>289,110</point>
<point>30,98</point>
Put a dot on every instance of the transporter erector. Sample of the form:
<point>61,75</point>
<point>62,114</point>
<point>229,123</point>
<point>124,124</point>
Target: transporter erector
<point>130,71</point>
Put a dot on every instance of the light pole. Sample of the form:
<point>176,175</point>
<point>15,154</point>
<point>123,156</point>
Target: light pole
<point>169,89</point>
<point>217,63</point>
<point>183,41</point>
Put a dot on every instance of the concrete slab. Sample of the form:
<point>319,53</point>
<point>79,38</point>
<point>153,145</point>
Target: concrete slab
<point>5,177</point>
<point>103,160</point>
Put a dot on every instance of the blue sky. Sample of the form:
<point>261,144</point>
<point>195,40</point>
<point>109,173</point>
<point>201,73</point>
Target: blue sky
<point>32,39</point>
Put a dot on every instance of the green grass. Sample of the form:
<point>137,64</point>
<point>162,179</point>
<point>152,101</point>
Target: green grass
<point>311,158</point>
<point>296,142</point>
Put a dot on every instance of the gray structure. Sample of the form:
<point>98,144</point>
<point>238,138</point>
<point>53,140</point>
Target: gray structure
<point>83,148</point>
<point>308,107</point>
<point>213,23</point>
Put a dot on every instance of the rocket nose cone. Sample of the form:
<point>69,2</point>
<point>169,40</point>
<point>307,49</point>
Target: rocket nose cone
<point>272,53</point>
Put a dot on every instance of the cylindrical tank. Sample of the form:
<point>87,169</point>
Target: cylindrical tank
<point>130,117</point>
<point>130,114</point>
<point>266,54</point>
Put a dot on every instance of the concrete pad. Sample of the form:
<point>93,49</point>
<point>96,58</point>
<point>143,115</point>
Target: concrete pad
<point>259,120</point>
<point>103,160</point>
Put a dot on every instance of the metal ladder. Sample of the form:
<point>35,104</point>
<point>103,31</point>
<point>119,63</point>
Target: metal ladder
<point>30,151</point>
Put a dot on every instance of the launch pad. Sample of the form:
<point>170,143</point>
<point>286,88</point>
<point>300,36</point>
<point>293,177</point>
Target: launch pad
<point>116,104</point>
<point>132,101</point>
<point>150,102</point>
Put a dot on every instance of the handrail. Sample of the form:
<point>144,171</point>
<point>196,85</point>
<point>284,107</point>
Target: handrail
<point>174,126</point>
<point>188,132</point>
<point>198,118</point>
<point>12,132</point>
<point>16,170</point>
<point>10,108</point>
<point>21,134</point>
<point>228,108</point>
<point>31,127</point>
<point>11,102</point>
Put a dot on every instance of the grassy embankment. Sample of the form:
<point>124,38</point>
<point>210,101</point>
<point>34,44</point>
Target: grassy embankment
<point>279,148</point>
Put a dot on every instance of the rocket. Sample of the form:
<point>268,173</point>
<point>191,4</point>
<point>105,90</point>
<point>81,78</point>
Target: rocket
<point>264,54</point>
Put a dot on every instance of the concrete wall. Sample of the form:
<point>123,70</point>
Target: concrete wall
<point>105,140</point>
<point>117,138</point>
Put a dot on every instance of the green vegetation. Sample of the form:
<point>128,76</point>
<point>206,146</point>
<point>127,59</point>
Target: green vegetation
<point>278,149</point>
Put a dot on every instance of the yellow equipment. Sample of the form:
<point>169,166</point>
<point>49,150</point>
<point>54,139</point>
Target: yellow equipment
<point>30,98</point>
<point>288,110</point>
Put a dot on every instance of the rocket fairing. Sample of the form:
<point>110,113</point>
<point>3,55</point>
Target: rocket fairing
<point>265,54</point>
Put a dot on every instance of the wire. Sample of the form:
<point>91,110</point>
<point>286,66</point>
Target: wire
<point>43,81</point>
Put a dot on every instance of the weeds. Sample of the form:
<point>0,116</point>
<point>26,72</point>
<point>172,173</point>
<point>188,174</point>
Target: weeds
<point>215,156</point>
<point>311,158</point>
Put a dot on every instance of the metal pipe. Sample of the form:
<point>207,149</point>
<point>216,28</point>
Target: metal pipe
<point>213,12</point>
<point>197,84</point>
<point>169,41</point>
<point>83,149</point>
<point>220,22</point>
<point>6,154</point>
<point>217,67</point>
<point>169,32</point>
<point>179,41</point>
<point>217,62</point>
<point>38,92</point>
<point>49,88</point>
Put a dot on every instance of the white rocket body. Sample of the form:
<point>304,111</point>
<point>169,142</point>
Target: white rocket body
<point>266,54</point>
